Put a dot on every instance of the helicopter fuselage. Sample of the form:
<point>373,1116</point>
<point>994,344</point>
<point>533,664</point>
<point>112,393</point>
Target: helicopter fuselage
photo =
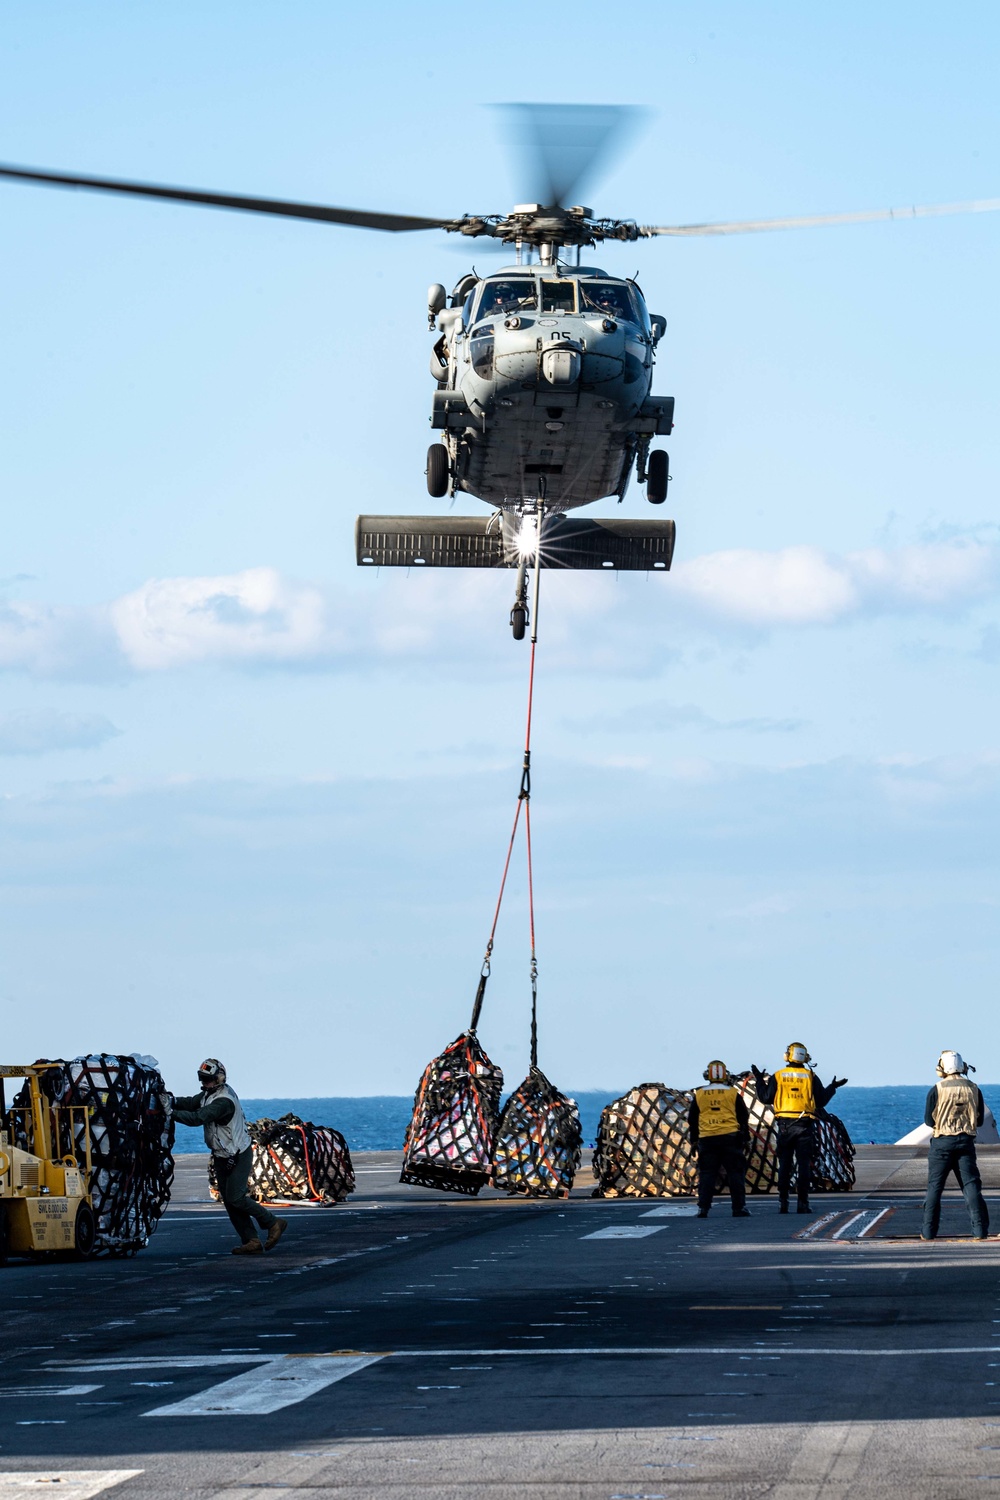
<point>544,376</point>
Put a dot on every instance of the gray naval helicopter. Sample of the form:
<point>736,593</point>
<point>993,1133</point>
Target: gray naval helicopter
<point>543,369</point>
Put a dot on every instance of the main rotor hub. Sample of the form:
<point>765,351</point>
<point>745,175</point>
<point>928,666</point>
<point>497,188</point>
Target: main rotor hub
<point>535,224</point>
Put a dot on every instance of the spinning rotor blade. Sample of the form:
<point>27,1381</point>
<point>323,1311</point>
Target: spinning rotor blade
<point>560,144</point>
<point>809,221</point>
<point>359,218</point>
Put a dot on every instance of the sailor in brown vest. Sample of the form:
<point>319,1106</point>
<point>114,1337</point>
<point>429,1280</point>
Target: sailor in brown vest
<point>954,1111</point>
<point>720,1128</point>
<point>796,1096</point>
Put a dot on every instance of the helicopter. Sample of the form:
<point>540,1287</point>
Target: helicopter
<point>543,369</point>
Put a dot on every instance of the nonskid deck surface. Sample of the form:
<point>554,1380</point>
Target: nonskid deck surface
<point>414,1344</point>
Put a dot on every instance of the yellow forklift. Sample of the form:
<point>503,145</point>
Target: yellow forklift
<point>45,1172</point>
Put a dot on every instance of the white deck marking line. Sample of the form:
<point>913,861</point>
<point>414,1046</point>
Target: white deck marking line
<point>755,1351</point>
<point>159,1362</point>
<point>673,1211</point>
<point>8,1392</point>
<point>269,1388</point>
<point>813,1229</point>
<point>624,1232</point>
<point>890,1208</point>
<point>76,1484</point>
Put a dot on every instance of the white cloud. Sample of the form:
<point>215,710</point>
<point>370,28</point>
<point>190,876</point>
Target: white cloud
<point>806,586</point>
<point>255,616</point>
<point>37,732</point>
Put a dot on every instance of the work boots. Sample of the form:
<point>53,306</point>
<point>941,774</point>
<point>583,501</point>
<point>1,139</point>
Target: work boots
<point>248,1247</point>
<point>275,1232</point>
<point>803,1207</point>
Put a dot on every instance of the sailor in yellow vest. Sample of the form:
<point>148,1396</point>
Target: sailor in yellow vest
<point>954,1111</point>
<point>796,1096</point>
<point>720,1127</point>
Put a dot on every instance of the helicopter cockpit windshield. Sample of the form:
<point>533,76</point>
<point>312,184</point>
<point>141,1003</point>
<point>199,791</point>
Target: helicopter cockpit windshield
<point>558,297</point>
<point>508,296</point>
<point>607,299</point>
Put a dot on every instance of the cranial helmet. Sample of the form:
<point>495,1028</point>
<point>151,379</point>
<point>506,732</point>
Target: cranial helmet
<point>716,1072</point>
<point>798,1053</point>
<point>211,1073</point>
<point>952,1062</point>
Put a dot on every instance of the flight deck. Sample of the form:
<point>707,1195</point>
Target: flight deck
<point>410,1343</point>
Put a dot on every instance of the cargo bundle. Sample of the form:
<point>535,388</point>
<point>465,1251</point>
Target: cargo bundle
<point>295,1161</point>
<point>131,1142</point>
<point>449,1140</point>
<point>538,1141</point>
<point>644,1145</point>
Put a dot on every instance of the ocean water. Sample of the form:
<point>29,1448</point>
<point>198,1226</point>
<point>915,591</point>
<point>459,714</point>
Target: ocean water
<point>378,1123</point>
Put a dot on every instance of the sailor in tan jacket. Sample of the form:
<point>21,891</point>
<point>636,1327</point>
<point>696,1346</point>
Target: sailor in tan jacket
<point>954,1112</point>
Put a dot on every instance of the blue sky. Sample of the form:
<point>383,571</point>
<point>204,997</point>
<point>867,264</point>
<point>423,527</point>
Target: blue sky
<point>254,802</point>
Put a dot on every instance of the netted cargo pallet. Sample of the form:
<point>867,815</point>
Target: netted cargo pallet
<point>131,1143</point>
<point>833,1163</point>
<point>538,1141</point>
<point>295,1161</point>
<point>833,1159</point>
<point>449,1140</point>
<point>644,1145</point>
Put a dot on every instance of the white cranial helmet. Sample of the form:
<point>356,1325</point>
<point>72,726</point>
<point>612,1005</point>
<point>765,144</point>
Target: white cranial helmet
<point>951,1062</point>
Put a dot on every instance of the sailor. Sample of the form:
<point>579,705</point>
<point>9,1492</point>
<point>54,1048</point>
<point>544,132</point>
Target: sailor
<point>954,1110</point>
<point>720,1127</point>
<point>218,1109</point>
<point>796,1096</point>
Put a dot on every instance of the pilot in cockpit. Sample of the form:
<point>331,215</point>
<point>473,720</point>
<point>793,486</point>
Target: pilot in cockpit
<point>500,297</point>
<point>608,300</point>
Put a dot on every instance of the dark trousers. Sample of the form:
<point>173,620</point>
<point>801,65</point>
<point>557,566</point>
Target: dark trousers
<point>233,1181</point>
<point>715,1151</point>
<point>795,1149</point>
<point>954,1153</point>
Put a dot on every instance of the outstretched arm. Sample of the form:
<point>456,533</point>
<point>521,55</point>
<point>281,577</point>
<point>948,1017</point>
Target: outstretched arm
<point>219,1110</point>
<point>825,1092</point>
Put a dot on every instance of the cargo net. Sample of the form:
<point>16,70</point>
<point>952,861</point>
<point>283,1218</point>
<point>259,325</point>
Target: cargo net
<point>833,1159</point>
<point>538,1141</point>
<point>131,1142</point>
<point>449,1140</point>
<point>295,1162</point>
<point>644,1145</point>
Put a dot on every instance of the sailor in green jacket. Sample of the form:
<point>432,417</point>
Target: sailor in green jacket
<point>218,1109</point>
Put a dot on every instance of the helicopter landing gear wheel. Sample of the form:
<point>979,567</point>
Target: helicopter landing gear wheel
<point>658,476</point>
<point>438,470</point>
<point>85,1232</point>
<point>519,613</point>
